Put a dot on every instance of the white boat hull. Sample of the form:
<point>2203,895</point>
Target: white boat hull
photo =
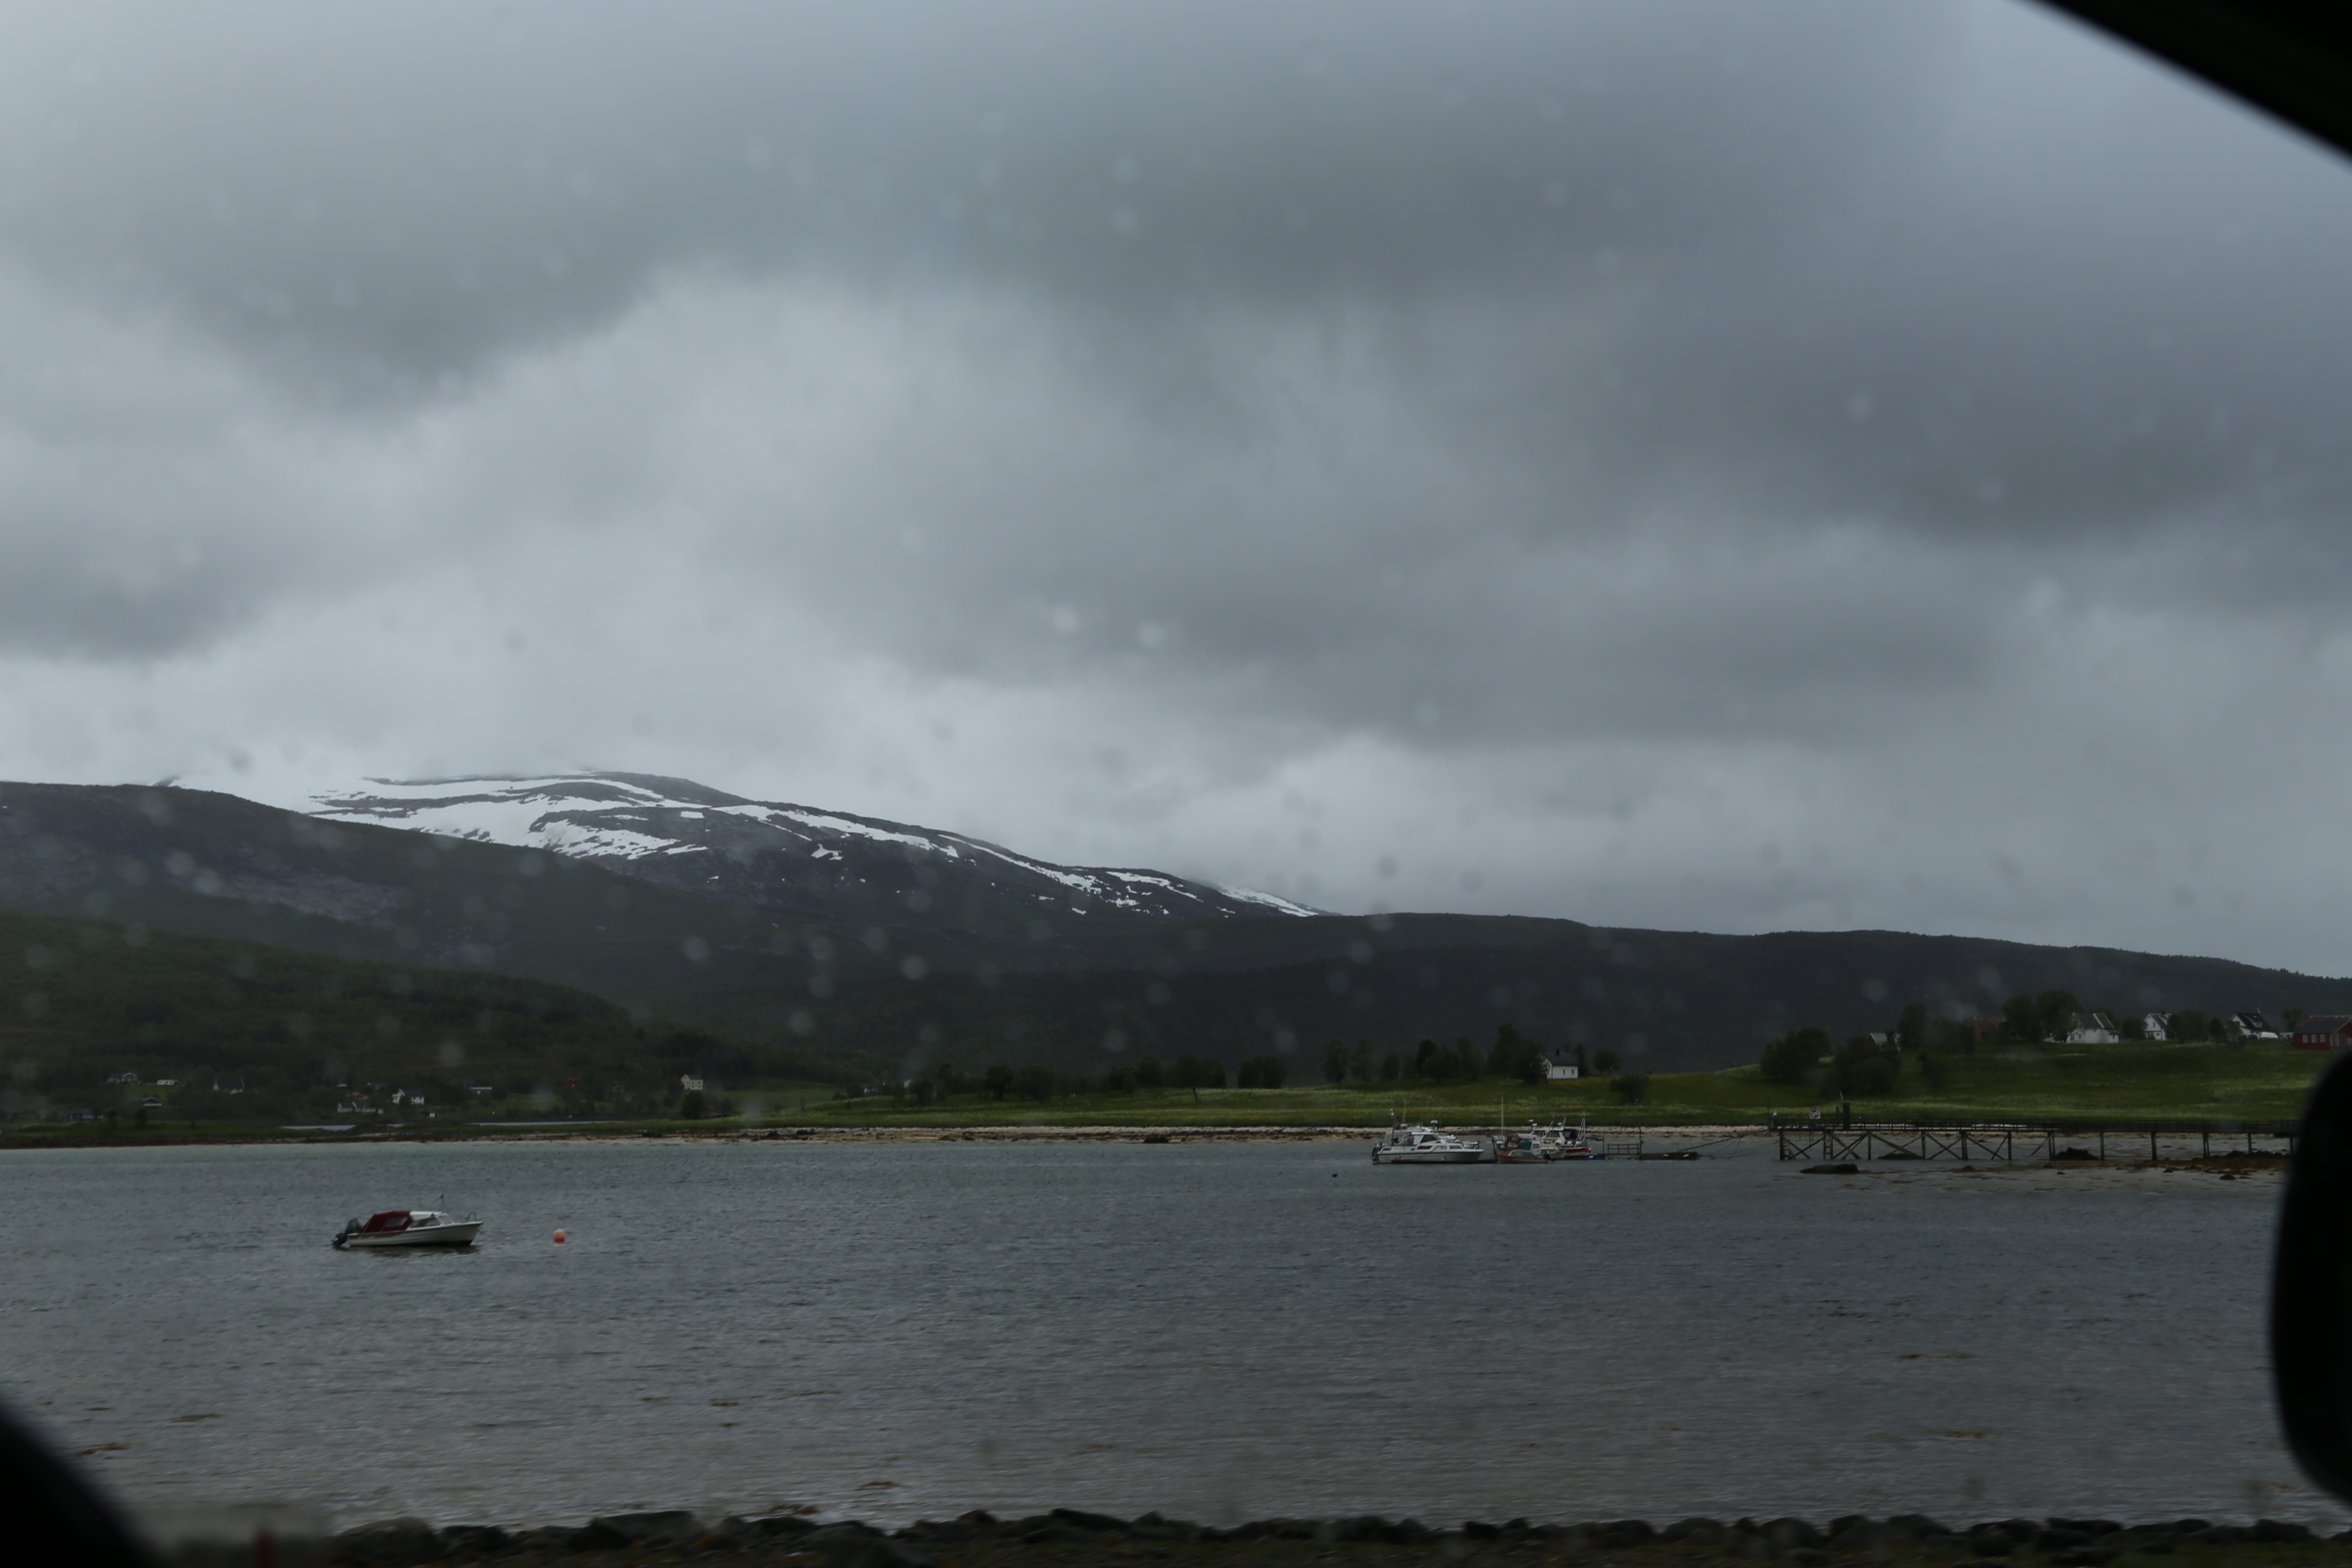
<point>1424,1143</point>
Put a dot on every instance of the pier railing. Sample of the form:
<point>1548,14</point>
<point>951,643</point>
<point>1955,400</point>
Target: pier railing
<point>1826,1142</point>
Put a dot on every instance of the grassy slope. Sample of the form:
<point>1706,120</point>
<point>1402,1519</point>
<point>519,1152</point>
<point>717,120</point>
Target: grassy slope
<point>90,998</point>
<point>2123,1084</point>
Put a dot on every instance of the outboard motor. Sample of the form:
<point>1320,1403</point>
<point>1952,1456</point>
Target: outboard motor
<point>350,1226</point>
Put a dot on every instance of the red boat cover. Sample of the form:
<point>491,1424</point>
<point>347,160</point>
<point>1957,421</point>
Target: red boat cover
<point>390,1219</point>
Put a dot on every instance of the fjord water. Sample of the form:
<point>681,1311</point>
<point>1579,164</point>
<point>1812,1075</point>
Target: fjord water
<point>1218,1330</point>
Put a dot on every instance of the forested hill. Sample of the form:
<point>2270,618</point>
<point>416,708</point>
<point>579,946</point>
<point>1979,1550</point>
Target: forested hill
<point>869,986</point>
<point>297,1034</point>
<point>1667,1000</point>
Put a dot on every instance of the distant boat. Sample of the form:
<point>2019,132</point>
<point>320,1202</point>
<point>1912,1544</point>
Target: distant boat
<point>1422,1143</point>
<point>408,1227</point>
<point>1540,1145</point>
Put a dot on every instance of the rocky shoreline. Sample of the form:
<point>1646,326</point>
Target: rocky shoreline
<point>724,1132</point>
<point>979,1540</point>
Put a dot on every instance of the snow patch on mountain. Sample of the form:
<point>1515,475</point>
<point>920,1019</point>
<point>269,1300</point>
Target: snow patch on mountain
<point>646,825</point>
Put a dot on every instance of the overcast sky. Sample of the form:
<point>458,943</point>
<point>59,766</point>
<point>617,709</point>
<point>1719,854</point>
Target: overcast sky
<point>1721,464</point>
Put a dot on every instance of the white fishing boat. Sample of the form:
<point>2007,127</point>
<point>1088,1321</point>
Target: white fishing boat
<point>1541,1146</point>
<point>409,1227</point>
<point>1425,1143</point>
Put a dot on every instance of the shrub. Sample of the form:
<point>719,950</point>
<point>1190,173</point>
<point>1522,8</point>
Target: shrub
<point>1952,1035</point>
<point>1632,1089</point>
<point>1864,1068</point>
<point>2024,1018</point>
<point>1197,1073</point>
<point>1516,1055</point>
<point>1870,1077</point>
<point>1794,1056</point>
<point>2057,1009</point>
<point>1263,1072</point>
<point>690,1107</point>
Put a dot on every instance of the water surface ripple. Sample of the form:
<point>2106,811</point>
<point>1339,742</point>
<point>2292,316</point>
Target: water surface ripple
<point>1217,1330</point>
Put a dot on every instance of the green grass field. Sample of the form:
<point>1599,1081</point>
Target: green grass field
<point>2126,1084</point>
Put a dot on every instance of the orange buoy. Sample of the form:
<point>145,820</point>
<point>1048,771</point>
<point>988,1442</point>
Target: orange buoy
<point>559,1239</point>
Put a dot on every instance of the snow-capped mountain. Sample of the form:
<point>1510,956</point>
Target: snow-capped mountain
<point>685,835</point>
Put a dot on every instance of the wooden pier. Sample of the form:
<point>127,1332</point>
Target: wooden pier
<point>1825,1142</point>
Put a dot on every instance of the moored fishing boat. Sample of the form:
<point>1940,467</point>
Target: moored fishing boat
<point>1425,1143</point>
<point>1561,1141</point>
<point>408,1227</point>
<point>1539,1146</point>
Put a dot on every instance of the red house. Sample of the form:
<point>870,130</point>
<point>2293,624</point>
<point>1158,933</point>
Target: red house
<point>2329,1033</point>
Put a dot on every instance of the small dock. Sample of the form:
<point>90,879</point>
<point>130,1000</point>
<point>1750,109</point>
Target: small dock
<point>1826,1143</point>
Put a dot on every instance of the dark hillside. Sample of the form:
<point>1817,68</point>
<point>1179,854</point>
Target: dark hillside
<point>1669,1001</point>
<point>877,986</point>
<point>85,999</point>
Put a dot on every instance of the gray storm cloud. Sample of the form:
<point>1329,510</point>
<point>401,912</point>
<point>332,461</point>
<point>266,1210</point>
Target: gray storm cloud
<point>1712,425</point>
<point>408,192</point>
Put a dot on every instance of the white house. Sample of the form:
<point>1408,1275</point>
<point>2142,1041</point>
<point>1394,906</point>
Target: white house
<point>2158,1026</point>
<point>2092,1029</point>
<point>1558,1064</point>
<point>688,1082</point>
<point>2253,1026</point>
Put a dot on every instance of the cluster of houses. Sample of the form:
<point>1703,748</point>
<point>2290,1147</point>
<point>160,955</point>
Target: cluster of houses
<point>2327,1032</point>
<point>365,1104</point>
<point>129,1080</point>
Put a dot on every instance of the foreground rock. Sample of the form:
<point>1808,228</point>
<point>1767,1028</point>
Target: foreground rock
<point>981,1540</point>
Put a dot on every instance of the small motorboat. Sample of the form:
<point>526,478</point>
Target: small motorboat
<point>1539,1146</point>
<point>1528,1148</point>
<point>1425,1143</point>
<point>1560,1141</point>
<point>409,1227</point>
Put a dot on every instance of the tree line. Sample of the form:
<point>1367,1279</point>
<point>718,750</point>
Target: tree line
<point>1147,1075</point>
<point>1513,1056</point>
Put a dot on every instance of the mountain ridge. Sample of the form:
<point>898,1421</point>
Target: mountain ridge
<point>885,975</point>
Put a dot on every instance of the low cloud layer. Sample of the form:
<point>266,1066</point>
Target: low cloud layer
<point>1709,465</point>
